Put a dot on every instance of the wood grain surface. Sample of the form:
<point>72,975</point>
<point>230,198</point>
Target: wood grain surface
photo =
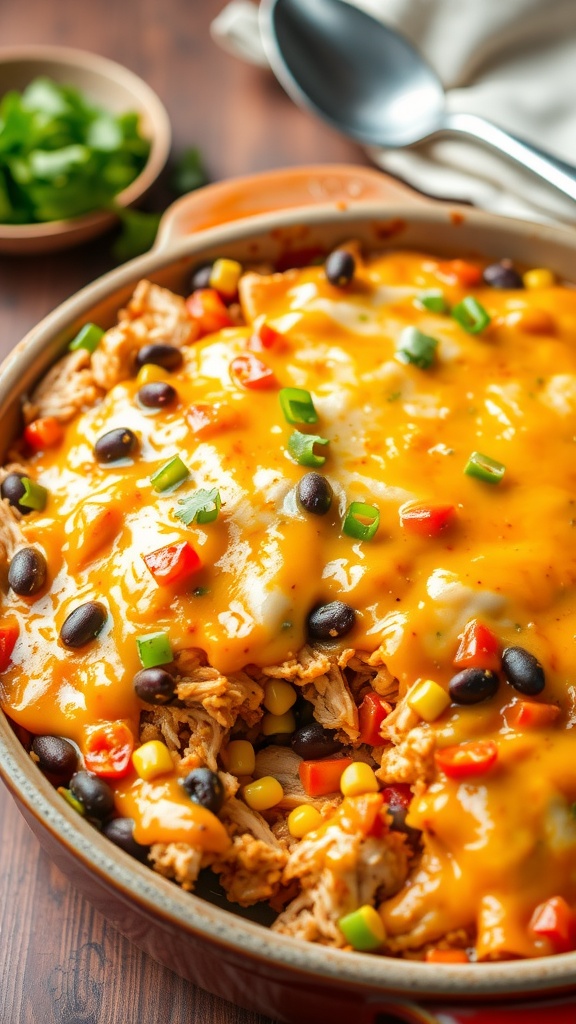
<point>60,963</point>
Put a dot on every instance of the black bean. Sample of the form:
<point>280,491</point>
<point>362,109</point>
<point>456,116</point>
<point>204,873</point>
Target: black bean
<point>328,621</point>
<point>398,811</point>
<point>340,267</point>
<point>205,788</point>
<point>154,685</point>
<point>314,494</point>
<point>313,742</point>
<point>502,275</point>
<point>167,356</point>
<point>523,671</point>
<point>83,624</point>
<point>27,572</point>
<point>116,444</point>
<point>120,831</point>
<point>12,489</point>
<point>55,755</point>
<point>201,277</point>
<point>473,685</point>
<point>157,395</point>
<point>94,794</point>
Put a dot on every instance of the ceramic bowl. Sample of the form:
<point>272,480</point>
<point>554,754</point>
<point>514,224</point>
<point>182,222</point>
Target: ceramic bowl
<point>213,946</point>
<point>108,85</point>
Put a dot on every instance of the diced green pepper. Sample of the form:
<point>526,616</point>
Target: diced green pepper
<point>484,468</point>
<point>88,337</point>
<point>363,929</point>
<point>35,495</point>
<point>154,649</point>
<point>171,474</point>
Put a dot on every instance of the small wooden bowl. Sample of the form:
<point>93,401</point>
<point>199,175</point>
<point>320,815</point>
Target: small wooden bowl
<point>110,86</point>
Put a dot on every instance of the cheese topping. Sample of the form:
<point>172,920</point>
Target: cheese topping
<point>397,432</point>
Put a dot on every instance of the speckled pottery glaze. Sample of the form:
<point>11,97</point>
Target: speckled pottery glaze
<point>259,218</point>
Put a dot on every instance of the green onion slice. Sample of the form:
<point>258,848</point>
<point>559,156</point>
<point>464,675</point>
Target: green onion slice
<point>301,448</point>
<point>361,521</point>
<point>416,347</point>
<point>471,315</point>
<point>154,649</point>
<point>484,468</point>
<point>88,337</point>
<point>297,405</point>
<point>172,474</point>
<point>35,496</point>
<point>433,300</point>
<point>201,507</point>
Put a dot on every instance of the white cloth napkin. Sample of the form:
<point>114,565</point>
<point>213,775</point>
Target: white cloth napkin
<point>511,61</point>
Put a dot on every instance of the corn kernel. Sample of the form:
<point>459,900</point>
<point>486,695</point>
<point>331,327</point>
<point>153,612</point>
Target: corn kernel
<point>302,820</point>
<point>263,794</point>
<point>149,373</point>
<point>152,759</point>
<point>540,277</point>
<point>224,277</point>
<point>240,757</point>
<point>273,724</point>
<point>358,778</point>
<point>428,699</point>
<point>278,697</point>
<point>363,929</point>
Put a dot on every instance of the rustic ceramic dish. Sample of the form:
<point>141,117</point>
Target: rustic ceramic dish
<point>108,85</point>
<point>233,957</point>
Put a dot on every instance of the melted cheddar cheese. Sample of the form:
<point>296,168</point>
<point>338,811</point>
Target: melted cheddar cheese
<point>494,847</point>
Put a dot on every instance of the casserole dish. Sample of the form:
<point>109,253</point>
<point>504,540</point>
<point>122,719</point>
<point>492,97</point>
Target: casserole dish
<point>295,982</point>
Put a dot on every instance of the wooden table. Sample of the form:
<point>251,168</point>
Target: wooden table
<point>60,963</point>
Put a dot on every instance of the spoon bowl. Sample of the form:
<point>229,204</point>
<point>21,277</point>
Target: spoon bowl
<point>369,82</point>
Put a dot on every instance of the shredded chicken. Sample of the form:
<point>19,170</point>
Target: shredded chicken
<point>154,315</point>
<point>223,697</point>
<point>334,705</point>
<point>411,758</point>
<point>308,665</point>
<point>191,732</point>
<point>244,819</point>
<point>11,536</point>
<point>338,873</point>
<point>178,861</point>
<point>250,870</point>
<point>67,388</point>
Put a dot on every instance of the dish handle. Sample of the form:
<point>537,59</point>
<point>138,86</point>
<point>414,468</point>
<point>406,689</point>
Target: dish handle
<point>237,198</point>
<point>542,1012</point>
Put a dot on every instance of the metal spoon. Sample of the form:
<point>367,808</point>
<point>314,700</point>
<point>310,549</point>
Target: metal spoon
<point>369,82</point>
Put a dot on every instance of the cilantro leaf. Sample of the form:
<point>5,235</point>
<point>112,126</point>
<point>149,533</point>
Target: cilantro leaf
<point>202,507</point>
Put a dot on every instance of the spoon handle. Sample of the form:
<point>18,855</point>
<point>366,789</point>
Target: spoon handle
<point>552,170</point>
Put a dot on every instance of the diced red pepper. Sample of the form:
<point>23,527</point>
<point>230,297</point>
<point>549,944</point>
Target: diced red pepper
<point>322,777</point>
<point>426,519</point>
<point>108,749</point>
<point>461,272</point>
<point>529,714</point>
<point>467,759</point>
<point>45,432</point>
<point>250,372</point>
<point>371,713</point>
<point>173,563</point>
<point>478,648</point>
<point>555,920</point>
<point>266,336</point>
<point>206,307</point>
<point>8,636</point>
<point>446,956</point>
